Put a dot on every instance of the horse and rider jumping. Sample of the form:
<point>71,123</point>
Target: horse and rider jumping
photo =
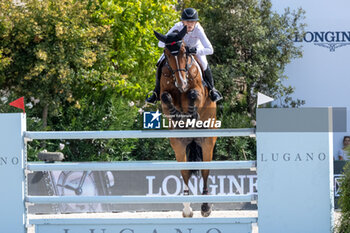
<point>198,44</point>
<point>185,87</point>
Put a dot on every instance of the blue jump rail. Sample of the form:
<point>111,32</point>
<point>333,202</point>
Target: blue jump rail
<point>140,166</point>
<point>142,199</point>
<point>42,135</point>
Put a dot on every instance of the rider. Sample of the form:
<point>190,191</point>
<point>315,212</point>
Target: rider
<point>198,44</point>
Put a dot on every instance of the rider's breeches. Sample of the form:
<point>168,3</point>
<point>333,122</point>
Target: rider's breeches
<point>203,61</point>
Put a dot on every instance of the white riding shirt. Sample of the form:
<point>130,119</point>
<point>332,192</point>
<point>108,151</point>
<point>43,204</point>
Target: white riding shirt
<point>194,39</point>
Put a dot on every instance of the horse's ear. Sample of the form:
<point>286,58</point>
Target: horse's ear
<point>160,36</point>
<point>182,33</point>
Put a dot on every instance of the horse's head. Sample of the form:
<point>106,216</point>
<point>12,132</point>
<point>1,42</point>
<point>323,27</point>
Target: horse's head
<point>175,53</point>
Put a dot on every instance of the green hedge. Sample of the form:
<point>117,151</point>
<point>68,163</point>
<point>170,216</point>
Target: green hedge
<point>344,201</point>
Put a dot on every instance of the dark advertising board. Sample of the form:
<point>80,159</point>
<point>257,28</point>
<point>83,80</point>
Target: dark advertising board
<point>149,183</point>
<point>136,183</point>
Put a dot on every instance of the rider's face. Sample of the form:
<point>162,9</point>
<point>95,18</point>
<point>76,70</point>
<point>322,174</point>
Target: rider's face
<point>190,25</point>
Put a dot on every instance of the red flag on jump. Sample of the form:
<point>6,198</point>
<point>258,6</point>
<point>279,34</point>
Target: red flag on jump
<point>18,103</point>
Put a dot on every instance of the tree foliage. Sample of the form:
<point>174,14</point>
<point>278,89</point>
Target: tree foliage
<point>55,48</point>
<point>135,49</point>
<point>344,200</point>
<point>56,51</point>
<point>81,65</point>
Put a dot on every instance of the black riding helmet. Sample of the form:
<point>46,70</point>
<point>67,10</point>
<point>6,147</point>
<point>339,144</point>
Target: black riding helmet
<point>189,14</point>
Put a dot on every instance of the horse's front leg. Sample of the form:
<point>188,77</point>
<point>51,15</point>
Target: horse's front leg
<point>168,101</point>
<point>192,109</point>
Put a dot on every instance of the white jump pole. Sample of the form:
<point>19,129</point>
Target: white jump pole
<point>295,170</point>
<point>12,177</point>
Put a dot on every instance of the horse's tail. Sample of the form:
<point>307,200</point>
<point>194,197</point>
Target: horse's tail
<point>194,154</point>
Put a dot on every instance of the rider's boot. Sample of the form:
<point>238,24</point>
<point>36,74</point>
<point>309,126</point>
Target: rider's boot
<point>156,92</point>
<point>213,93</point>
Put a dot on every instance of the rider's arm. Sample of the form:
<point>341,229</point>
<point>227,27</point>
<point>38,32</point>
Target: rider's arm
<point>178,26</point>
<point>207,47</point>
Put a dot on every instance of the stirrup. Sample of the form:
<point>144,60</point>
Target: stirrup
<point>215,93</point>
<point>153,98</point>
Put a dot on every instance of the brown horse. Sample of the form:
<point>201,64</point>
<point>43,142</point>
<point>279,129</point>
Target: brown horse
<point>184,97</point>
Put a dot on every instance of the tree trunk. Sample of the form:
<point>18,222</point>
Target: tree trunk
<point>251,102</point>
<point>45,114</point>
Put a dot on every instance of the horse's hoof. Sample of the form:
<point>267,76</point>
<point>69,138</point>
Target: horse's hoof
<point>206,209</point>
<point>193,95</point>
<point>195,116</point>
<point>187,214</point>
<point>166,98</point>
<point>206,214</point>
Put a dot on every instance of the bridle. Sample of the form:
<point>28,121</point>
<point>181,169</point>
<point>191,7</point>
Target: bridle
<point>186,69</point>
